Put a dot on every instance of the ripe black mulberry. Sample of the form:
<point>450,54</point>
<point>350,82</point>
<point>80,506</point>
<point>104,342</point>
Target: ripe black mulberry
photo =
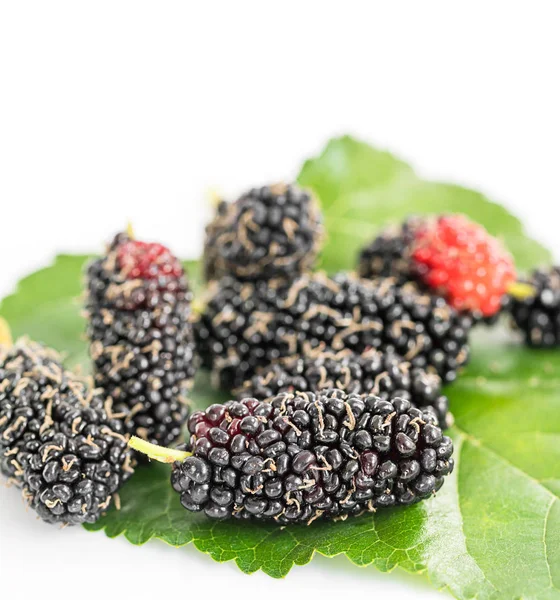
<point>248,325</point>
<point>371,373</point>
<point>59,440</point>
<point>141,337</point>
<point>388,255</point>
<point>272,231</point>
<point>537,315</point>
<point>304,456</point>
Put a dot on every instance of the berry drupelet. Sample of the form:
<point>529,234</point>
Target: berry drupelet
<point>304,456</point>
<point>371,373</point>
<point>141,337</point>
<point>271,231</point>
<point>537,314</point>
<point>59,440</point>
<point>451,256</point>
<point>248,325</point>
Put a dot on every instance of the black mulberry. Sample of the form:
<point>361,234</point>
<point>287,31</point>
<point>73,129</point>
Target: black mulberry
<point>371,373</point>
<point>388,255</point>
<point>248,325</point>
<point>59,440</point>
<point>304,456</point>
<point>141,337</point>
<point>537,314</point>
<point>272,231</point>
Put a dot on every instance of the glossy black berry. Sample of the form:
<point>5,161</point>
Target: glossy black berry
<point>271,231</point>
<point>249,325</point>
<point>312,478</point>
<point>388,255</point>
<point>60,442</point>
<point>538,316</point>
<point>141,338</point>
<point>371,373</point>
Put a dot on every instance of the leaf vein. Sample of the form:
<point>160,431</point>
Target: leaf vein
<point>480,444</point>
<point>546,556</point>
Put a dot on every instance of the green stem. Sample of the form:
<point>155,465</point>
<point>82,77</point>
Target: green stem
<point>159,453</point>
<point>214,197</point>
<point>521,291</point>
<point>197,306</point>
<point>130,230</point>
<point>5,334</point>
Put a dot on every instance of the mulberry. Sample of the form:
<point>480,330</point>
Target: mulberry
<point>451,256</point>
<point>272,231</point>
<point>537,314</point>
<point>371,373</point>
<point>248,325</point>
<point>141,337</point>
<point>59,440</point>
<point>304,456</point>
<point>389,253</point>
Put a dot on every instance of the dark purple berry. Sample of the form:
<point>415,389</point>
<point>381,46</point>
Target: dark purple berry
<point>386,452</point>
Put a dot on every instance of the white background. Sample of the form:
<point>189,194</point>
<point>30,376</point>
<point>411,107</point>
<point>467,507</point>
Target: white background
<point>111,111</point>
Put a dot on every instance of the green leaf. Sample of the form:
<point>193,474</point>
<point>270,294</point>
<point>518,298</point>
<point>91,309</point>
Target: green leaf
<point>493,531</point>
<point>363,189</point>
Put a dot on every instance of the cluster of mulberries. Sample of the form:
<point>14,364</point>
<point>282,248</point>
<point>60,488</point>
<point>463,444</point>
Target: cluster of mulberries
<point>59,440</point>
<point>141,337</point>
<point>372,373</point>
<point>249,325</point>
<point>271,231</point>
<point>538,315</point>
<point>301,457</point>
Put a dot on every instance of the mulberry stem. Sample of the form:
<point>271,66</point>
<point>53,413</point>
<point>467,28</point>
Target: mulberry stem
<point>521,291</point>
<point>214,197</point>
<point>198,306</point>
<point>130,231</point>
<point>5,334</point>
<point>155,452</point>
